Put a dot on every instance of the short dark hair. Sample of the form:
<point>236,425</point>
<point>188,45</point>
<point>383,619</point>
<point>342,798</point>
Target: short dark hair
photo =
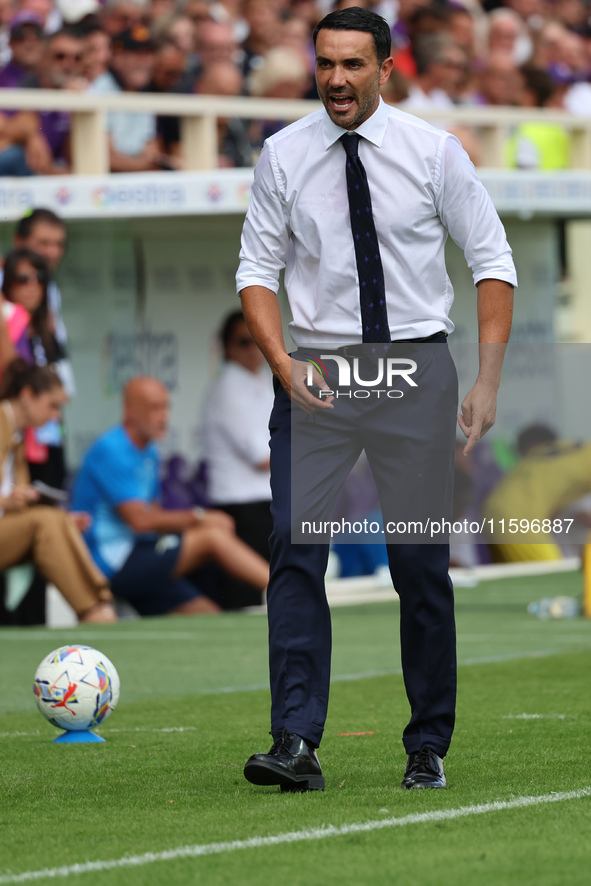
<point>69,31</point>
<point>229,325</point>
<point>28,222</point>
<point>19,375</point>
<point>540,82</point>
<point>431,49</point>
<point>535,435</point>
<point>356,19</point>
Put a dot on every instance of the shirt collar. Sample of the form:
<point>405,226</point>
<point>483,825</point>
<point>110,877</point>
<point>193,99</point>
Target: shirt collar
<point>373,129</point>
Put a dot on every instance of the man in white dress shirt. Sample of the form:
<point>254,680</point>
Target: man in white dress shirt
<point>235,429</point>
<point>304,215</point>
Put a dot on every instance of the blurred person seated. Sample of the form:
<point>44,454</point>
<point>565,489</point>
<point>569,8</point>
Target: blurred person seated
<point>500,82</point>
<point>529,11</point>
<point>180,30</point>
<point>26,45</point>
<point>562,53</point>
<point>22,150</point>
<point>538,145</point>
<point>61,69</point>
<point>462,30</point>
<point>46,12</point>
<point>42,231</point>
<point>159,9</point>
<point>133,142</point>
<point>199,11</point>
<point>441,65</point>
<point>508,34</point>
<point>283,74</point>
<point>215,42</point>
<point>572,13</point>
<point>441,72</point>
<point>169,74</point>
<point>122,15</point>
<point>24,284</point>
<point>29,397</point>
<point>264,26</point>
<point>551,475</point>
<point>147,551</point>
<point>96,52</point>
<point>309,10</point>
<point>235,436</point>
<point>46,149</point>
<point>416,18</point>
<point>234,140</point>
<point>295,34</point>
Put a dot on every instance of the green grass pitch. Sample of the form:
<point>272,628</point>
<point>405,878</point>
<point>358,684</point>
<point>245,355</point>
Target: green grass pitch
<point>194,705</point>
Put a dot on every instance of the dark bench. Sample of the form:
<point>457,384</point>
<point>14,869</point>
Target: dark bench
<point>31,608</point>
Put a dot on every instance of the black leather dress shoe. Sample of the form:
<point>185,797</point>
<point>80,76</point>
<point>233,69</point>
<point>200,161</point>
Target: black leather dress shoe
<point>291,763</point>
<point>424,769</point>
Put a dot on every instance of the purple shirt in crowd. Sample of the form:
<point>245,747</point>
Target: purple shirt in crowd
<point>12,76</point>
<point>55,125</point>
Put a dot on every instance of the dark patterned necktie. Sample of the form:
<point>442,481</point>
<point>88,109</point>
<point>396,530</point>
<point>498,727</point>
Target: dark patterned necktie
<point>372,292</point>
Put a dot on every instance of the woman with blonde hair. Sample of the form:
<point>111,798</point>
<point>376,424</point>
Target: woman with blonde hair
<point>30,396</point>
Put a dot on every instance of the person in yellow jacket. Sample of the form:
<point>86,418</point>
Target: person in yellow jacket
<point>538,145</point>
<point>551,475</point>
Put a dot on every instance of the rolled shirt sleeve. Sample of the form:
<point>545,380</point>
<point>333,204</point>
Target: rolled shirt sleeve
<point>266,231</point>
<point>467,212</point>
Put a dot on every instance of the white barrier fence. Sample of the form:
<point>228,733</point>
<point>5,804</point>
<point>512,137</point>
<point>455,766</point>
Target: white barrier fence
<point>199,115</point>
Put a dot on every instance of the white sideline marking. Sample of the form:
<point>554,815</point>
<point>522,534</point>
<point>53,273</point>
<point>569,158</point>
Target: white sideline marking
<point>541,717</point>
<point>82,635</point>
<point>320,833</point>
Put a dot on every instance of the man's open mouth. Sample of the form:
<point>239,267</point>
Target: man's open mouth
<point>341,102</point>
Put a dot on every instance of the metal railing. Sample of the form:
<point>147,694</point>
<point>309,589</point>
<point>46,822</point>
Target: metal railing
<point>199,114</point>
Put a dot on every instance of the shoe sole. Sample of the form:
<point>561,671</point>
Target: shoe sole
<point>267,775</point>
<point>425,785</point>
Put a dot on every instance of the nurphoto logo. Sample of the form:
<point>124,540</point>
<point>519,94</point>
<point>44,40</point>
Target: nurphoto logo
<point>387,371</point>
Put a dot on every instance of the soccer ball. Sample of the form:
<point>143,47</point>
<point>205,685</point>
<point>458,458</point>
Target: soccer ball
<point>76,687</point>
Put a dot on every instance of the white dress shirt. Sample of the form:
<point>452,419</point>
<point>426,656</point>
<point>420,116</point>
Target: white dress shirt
<point>423,186</point>
<point>235,433</point>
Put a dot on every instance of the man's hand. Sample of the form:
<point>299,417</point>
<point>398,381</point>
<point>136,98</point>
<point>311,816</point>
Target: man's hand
<point>293,376</point>
<point>81,520</point>
<point>19,499</point>
<point>478,413</point>
<point>38,154</point>
<point>495,311</point>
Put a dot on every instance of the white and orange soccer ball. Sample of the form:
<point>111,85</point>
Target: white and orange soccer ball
<point>76,688</point>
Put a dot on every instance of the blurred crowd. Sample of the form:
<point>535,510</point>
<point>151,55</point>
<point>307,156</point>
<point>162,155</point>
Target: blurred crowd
<point>522,53</point>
